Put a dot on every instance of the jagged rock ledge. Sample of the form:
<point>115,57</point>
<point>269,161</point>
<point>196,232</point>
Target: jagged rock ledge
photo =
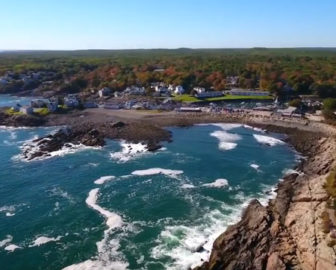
<point>93,135</point>
<point>20,120</point>
<point>65,138</point>
<point>287,233</point>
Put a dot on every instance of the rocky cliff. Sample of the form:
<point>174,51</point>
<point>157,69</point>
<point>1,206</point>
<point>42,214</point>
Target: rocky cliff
<point>287,234</point>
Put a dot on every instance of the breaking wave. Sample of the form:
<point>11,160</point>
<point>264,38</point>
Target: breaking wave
<point>154,171</point>
<point>129,151</point>
<point>270,141</point>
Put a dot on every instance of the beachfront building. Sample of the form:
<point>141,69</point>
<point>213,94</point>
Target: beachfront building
<point>71,101</point>
<point>27,110</point>
<point>104,92</point>
<point>134,91</point>
<point>161,89</point>
<point>244,92</point>
<point>209,94</point>
<point>287,112</point>
<point>38,103</point>
<point>16,108</point>
<point>199,90</point>
<point>52,106</point>
<point>232,81</point>
<point>179,90</point>
<point>3,81</point>
<point>171,88</point>
<point>90,105</point>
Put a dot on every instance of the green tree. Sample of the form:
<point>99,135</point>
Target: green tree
<point>329,104</point>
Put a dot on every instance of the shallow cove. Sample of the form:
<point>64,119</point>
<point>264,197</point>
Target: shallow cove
<point>157,210</point>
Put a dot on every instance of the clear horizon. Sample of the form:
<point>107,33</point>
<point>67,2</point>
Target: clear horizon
<point>149,24</point>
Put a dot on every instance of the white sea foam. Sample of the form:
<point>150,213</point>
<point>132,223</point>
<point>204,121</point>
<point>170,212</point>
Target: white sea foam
<point>153,171</point>
<point>291,171</point>
<point>98,265</point>
<point>7,240</point>
<point>267,140</point>
<point>112,220</point>
<point>129,151</point>
<point>254,128</point>
<point>11,247</point>
<point>58,192</point>
<point>268,193</point>
<point>217,183</point>
<point>255,166</point>
<point>189,246</point>
<point>104,179</point>
<point>92,164</point>
<point>223,126</point>
<point>5,128</point>
<point>226,140</point>
<point>31,148</point>
<point>187,186</point>
<point>43,240</point>
<point>108,256</point>
<point>10,209</point>
<point>13,135</point>
<point>225,136</point>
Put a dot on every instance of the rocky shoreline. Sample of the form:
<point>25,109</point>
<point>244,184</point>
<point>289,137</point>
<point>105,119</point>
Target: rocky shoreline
<point>286,234</point>
<point>90,135</point>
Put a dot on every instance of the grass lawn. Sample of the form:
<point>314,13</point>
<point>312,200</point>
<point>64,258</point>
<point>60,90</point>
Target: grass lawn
<point>190,99</point>
<point>42,111</point>
<point>12,112</point>
<point>185,98</point>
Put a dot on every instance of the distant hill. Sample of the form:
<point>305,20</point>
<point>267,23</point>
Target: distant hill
<point>304,51</point>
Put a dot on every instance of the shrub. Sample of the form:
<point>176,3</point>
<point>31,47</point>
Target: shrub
<point>331,243</point>
<point>330,184</point>
<point>326,222</point>
<point>329,104</point>
<point>12,112</point>
<point>295,103</point>
<point>42,111</point>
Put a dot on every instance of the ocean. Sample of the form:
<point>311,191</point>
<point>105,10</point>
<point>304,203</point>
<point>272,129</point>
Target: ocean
<point>121,207</point>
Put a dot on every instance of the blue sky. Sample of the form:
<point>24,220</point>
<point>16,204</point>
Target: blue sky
<point>121,24</point>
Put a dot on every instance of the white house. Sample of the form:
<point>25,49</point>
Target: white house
<point>104,92</point>
<point>16,108</point>
<point>171,88</point>
<point>52,106</point>
<point>27,110</point>
<point>179,90</point>
<point>199,90</point>
<point>3,81</point>
<point>135,90</point>
<point>38,103</point>
<point>232,81</point>
<point>287,112</point>
<point>71,101</point>
<point>161,89</point>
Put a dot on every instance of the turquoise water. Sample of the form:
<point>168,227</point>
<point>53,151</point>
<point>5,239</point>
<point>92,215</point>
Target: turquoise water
<point>140,220</point>
<point>165,217</point>
<point>8,100</point>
